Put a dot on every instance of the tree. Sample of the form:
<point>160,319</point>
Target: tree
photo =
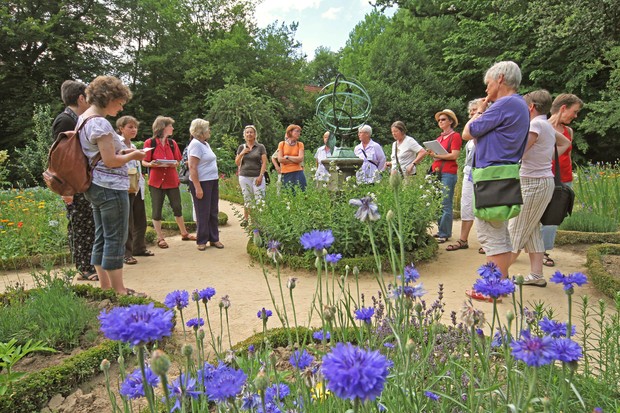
<point>323,69</point>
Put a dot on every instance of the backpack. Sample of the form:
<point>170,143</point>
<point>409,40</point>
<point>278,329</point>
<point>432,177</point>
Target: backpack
<point>184,167</point>
<point>153,144</point>
<point>68,170</point>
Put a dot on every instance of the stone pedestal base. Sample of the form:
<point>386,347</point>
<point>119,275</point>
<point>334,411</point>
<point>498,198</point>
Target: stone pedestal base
<point>340,169</point>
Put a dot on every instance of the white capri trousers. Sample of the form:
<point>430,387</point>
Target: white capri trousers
<point>467,196</point>
<point>251,192</point>
<point>525,228</point>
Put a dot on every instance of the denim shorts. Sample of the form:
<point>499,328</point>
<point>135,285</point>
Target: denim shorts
<point>111,216</point>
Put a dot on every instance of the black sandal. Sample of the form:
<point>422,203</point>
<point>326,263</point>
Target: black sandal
<point>146,253</point>
<point>89,276</point>
<point>460,245</point>
<point>548,261</point>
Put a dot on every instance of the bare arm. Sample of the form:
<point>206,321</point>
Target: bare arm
<point>562,142</point>
<point>192,162</point>
<point>112,159</point>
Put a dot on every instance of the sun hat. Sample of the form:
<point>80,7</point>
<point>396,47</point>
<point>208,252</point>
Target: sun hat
<point>448,112</point>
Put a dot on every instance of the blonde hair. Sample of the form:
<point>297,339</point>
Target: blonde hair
<point>160,124</point>
<point>199,127</point>
<point>253,128</point>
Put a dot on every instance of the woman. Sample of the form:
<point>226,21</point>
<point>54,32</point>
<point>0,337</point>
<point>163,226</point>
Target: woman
<point>108,191</point>
<point>445,166</point>
<point>251,160</point>
<point>203,185</point>
<point>536,185</point>
<point>372,155</point>
<point>136,242</point>
<point>291,158</point>
<point>467,190</point>
<point>322,153</point>
<point>162,162</point>
<point>564,110</point>
<point>406,151</point>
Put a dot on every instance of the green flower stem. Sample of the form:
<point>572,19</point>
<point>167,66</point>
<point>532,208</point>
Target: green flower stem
<point>273,299</point>
<point>290,292</point>
<point>286,324</point>
<point>379,275</point>
<point>219,338</point>
<point>217,354</point>
<point>148,391</point>
<point>183,324</point>
<point>164,385</point>
<point>111,395</point>
<point>228,329</point>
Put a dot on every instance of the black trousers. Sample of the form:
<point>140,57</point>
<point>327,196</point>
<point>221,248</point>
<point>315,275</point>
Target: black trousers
<point>136,243</point>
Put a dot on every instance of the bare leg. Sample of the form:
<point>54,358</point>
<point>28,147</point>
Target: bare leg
<point>157,227</point>
<point>111,279</point>
<point>502,261</point>
<point>514,256</point>
<point>181,223</point>
<point>536,262</point>
<point>465,229</point>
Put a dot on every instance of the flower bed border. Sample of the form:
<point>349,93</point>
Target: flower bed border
<point>601,279</point>
<point>366,263</point>
<point>34,261</point>
<point>36,389</point>
<point>578,237</point>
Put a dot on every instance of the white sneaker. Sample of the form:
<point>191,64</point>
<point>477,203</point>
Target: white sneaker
<point>535,280</point>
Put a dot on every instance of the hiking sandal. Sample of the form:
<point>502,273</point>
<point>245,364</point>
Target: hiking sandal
<point>161,243</point>
<point>548,261</point>
<point>460,245</point>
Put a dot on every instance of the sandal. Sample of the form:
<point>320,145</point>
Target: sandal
<point>481,251</point>
<point>130,261</point>
<point>548,261</point>
<point>217,244</point>
<point>134,293</point>
<point>201,247</point>
<point>188,237</point>
<point>441,240</point>
<point>460,245</point>
<point>89,276</point>
<point>161,243</point>
<point>146,253</point>
<point>474,295</point>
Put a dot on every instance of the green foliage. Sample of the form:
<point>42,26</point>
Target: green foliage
<point>286,215</point>
<point>323,69</point>
<point>601,278</point>
<point>4,172</point>
<point>585,221</point>
<point>597,190</point>
<point>33,157</point>
<point>575,237</point>
<point>10,354</point>
<point>167,214</point>
<point>52,315</point>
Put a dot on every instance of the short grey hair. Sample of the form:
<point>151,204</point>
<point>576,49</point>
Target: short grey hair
<point>474,103</point>
<point>198,127</point>
<point>510,70</point>
<point>366,128</point>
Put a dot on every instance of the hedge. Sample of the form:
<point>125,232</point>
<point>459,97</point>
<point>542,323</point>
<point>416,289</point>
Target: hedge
<point>577,237</point>
<point>600,277</point>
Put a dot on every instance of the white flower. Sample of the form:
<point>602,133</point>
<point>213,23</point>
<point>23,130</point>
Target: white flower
<point>53,223</point>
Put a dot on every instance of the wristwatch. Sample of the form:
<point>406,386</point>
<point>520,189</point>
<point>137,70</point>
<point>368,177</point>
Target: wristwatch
<point>286,157</point>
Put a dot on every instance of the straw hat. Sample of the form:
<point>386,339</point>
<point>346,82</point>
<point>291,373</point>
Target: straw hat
<point>448,112</point>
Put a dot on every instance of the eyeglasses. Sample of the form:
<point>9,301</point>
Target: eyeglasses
<point>442,120</point>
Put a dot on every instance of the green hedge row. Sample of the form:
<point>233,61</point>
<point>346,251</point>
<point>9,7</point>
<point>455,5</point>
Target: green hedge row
<point>32,392</point>
<point>577,237</point>
<point>222,219</point>
<point>29,261</point>
<point>365,263</point>
<point>601,279</point>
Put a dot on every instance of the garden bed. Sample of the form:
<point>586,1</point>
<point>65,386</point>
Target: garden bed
<point>603,262</point>
<point>578,237</point>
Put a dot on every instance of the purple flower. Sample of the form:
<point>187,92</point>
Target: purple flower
<point>554,328</point>
<point>301,359</point>
<point>567,350</point>
<point>577,278</point>
<point>431,395</point>
<point>251,349</point>
<point>195,323</point>
<point>333,258</point>
<point>365,314</point>
<point>264,314</point>
<point>177,299</point>
<point>225,383</point>
<point>534,351</point>
<point>411,274</point>
<point>132,387</point>
<point>498,339</point>
<point>489,270</point>
<point>409,291</point>
<point>250,402</point>
<point>388,345</point>
<point>354,373</point>
<point>273,250</point>
<point>204,295</point>
<point>318,335</point>
<point>137,324</point>
<point>184,386</point>
<point>317,240</point>
<point>367,210</point>
<point>277,392</point>
<point>494,286</point>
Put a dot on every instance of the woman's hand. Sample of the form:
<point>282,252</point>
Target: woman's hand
<point>199,192</point>
<point>409,169</point>
<point>432,154</point>
<point>259,180</point>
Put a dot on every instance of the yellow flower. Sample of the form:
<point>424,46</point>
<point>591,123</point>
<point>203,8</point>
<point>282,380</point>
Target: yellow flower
<point>10,224</point>
<point>318,393</point>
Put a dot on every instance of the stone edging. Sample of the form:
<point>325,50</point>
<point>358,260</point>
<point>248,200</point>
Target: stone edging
<point>601,279</point>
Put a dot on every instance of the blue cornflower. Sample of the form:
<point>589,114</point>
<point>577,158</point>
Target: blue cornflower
<point>389,345</point>
<point>494,286</point>
<point>534,351</point>
<point>273,250</point>
<point>431,395</point>
<point>567,350</point>
<point>554,328</point>
<point>277,392</point>
<point>367,209</point>
<point>301,359</point>
<point>498,340</point>
<point>333,258</point>
<point>178,299</point>
<point>577,278</point>
<point>489,270</point>
<point>251,349</point>
<point>415,291</point>
<point>132,387</point>
<point>365,314</point>
<point>264,314</point>
<point>411,274</point>
<point>137,324</point>
<point>204,295</point>
<point>318,335</point>
<point>354,373</point>
<point>195,323</point>
<point>250,402</point>
<point>179,392</point>
<point>317,240</point>
<point>205,373</point>
<point>225,383</point>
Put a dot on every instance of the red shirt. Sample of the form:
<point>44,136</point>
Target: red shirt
<point>449,167</point>
<point>566,163</point>
<point>163,178</point>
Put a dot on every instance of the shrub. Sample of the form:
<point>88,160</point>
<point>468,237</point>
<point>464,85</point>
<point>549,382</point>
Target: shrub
<point>600,277</point>
<point>586,221</point>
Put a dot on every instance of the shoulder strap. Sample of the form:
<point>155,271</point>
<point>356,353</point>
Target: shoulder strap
<point>556,178</point>
<point>97,157</point>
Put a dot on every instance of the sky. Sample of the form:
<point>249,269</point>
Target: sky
<point>321,22</point>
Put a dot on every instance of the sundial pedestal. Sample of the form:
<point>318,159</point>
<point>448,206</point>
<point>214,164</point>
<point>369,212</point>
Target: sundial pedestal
<point>340,169</point>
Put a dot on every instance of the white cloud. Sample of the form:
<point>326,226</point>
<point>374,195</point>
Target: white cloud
<point>331,13</point>
<point>270,10</point>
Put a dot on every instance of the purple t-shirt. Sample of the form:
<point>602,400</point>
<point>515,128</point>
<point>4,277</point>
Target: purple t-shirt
<point>501,132</point>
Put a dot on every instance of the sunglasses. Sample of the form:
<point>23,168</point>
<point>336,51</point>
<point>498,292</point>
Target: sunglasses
<point>442,120</point>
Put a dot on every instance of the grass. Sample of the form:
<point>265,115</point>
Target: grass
<point>597,192</point>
